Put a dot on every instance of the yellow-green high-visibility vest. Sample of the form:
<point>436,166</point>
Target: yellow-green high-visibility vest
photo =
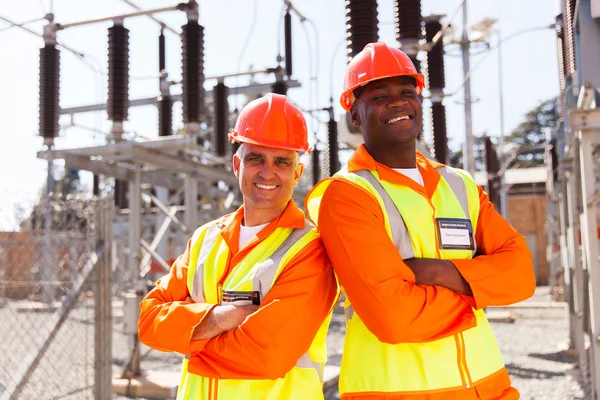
<point>254,275</point>
<point>451,363</point>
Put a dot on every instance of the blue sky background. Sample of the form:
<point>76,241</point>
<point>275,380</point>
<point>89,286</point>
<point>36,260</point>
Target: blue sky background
<point>234,37</point>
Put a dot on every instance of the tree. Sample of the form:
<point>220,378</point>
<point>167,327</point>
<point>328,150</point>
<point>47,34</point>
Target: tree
<point>531,134</point>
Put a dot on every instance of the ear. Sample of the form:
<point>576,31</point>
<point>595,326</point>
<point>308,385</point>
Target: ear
<point>236,166</point>
<point>298,173</point>
<point>354,116</point>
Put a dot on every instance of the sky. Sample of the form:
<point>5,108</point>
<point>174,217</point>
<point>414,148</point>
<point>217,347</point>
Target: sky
<point>240,35</point>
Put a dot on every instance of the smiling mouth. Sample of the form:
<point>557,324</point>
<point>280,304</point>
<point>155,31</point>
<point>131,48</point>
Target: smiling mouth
<point>265,187</point>
<point>398,119</point>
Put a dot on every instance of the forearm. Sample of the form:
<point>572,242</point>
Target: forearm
<point>169,326</point>
<point>440,273</point>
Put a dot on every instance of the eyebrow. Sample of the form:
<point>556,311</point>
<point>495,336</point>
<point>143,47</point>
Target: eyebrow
<point>278,158</point>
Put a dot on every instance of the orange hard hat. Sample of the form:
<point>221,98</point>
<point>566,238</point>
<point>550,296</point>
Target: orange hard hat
<point>272,121</point>
<point>377,61</point>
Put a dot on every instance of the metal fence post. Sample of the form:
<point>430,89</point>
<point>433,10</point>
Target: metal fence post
<point>103,304</point>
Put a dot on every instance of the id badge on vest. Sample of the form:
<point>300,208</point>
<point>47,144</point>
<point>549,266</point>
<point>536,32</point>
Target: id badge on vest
<point>455,234</point>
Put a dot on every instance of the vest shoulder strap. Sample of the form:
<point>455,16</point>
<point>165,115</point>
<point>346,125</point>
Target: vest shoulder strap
<point>400,236</point>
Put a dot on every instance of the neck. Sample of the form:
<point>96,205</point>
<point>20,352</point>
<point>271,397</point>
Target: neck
<point>403,155</point>
<point>258,216</point>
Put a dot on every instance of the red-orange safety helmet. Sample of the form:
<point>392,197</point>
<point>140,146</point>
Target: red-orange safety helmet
<point>377,61</point>
<point>272,121</point>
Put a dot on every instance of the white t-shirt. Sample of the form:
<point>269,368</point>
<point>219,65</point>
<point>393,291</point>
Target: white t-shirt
<point>248,232</point>
<point>412,173</point>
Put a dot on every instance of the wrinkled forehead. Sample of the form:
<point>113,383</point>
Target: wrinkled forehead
<point>249,148</point>
<point>395,80</point>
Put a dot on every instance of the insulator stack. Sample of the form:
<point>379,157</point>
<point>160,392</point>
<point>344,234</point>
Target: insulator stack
<point>560,44</point>
<point>161,52</point>
<point>569,37</point>
<point>121,189</point>
<point>192,93</point>
<point>118,73</point>
<point>407,19</point>
<point>49,91</point>
<point>492,167</point>
<point>436,82</point>
<point>416,62</point>
<point>316,165</point>
<point>221,118</point>
<point>165,115</point>
<point>435,57</point>
<point>438,127</point>
<point>96,185</point>
<point>334,163</point>
<point>361,25</point>
<point>287,25</point>
<point>279,87</point>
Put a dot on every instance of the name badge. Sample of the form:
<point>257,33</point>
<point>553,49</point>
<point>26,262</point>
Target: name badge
<point>455,234</point>
<point>241,298</point>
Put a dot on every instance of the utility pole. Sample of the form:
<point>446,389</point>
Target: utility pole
<point>468,156</point>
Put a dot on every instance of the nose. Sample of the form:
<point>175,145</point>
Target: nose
<point>397,101</point>
<point>267,171</point>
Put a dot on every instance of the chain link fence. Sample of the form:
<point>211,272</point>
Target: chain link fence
<point>55,307</point>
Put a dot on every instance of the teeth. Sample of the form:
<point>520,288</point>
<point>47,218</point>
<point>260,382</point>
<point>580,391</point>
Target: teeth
<point>391,121</point>
<point>268,187</point>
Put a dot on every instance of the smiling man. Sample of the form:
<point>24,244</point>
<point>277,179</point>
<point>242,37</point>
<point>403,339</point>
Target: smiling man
<point>249,301</point>
<point>418,249</point>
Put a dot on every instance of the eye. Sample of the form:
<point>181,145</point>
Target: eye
<point>408,92</point>
<point>378,96</point>
<point>284,162</point>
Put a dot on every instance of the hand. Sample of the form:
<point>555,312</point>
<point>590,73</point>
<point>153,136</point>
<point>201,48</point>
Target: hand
<point>229,316</point>
<point>222,318</point>
<point>431,271</point>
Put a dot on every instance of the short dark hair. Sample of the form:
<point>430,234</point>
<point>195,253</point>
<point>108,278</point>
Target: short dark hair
<point>357,92</point>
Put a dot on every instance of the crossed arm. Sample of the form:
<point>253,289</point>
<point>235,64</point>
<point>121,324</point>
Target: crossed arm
<point>237,342</point>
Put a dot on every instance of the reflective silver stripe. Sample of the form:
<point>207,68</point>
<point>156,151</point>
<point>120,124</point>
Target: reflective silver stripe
<point>306,362</point>
<point>458,186</point>
<point>400,236</point>
<point>349,312</point>
<point>265,272</point>
<point>210,238</point>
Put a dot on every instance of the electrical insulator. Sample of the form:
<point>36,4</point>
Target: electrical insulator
<point>96,185</point>
<point>316,165</point>
<point>560,42</point>
<point>165,115</point>
<point>49,91</point>
<point>569,37</point>
<point>221,118</point>
<point>440,137</point>
<point>334,164</point>
<point>361,25</point>
<point>192,91</point>
<point>407,19</point>
<point>161,52</point>
<point>435,57</point>
<point>118,73</point>
<point>492,165</point>
<point>279,87</point>
<point>121,189</point>
<point>287,24</point>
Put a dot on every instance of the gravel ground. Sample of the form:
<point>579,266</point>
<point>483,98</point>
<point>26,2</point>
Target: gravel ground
<point>530,347</point>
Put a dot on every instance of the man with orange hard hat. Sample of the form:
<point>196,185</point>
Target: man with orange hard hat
<point>418,249</point>
<point>249,301</point>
